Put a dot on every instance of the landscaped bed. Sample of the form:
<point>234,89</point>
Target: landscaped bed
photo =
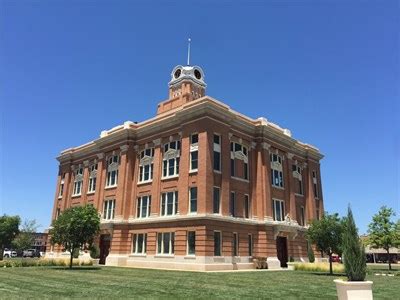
<point>114,283</point>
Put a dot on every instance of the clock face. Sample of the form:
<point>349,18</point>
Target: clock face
<point>177,73</point>
<point>197,74</point>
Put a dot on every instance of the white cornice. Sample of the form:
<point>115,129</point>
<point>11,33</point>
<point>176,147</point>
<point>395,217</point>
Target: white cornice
<point>205,107</point>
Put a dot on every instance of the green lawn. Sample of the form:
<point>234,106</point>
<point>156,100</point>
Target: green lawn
<point>116,283</point>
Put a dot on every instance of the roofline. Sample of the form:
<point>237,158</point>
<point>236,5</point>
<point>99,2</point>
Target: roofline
<point>203,107</point>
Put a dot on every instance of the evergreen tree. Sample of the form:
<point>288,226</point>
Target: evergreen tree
<point>353,251</point>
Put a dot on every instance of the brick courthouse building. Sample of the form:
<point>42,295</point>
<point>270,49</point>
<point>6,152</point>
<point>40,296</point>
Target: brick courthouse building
<point>197,187</point>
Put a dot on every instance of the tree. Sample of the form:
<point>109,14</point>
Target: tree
<point>310,253</point>
<point>353,251</point>
<point>383,232</point>
<point>25,237</point>
<point>75,228</point>
<point>8,230</point>
<point>326,234</point>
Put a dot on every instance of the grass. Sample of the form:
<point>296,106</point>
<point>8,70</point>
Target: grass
<point>117,283</point>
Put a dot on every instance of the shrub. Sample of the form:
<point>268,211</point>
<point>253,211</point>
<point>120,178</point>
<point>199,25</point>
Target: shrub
<point>43,262</point>
<point>318,267</point>
<point>75,253</point>
<point>94,252</point>
<point>353,251</point>
<point>310,253</point>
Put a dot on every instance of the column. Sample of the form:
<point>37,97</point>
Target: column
<point>310,201</point>
<point>85,182</point>
<point>267,181</point>
<point>121,184</point>
<point>100,182</point>
<point>157,173</point>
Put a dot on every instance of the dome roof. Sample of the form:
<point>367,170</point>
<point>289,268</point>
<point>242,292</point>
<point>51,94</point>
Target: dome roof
<point>192,73</point>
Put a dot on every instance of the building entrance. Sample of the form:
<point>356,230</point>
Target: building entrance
<point>105,243</point>
<point>281,249</point>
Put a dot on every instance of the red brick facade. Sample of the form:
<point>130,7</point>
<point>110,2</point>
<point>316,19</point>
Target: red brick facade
<point>249,147</point>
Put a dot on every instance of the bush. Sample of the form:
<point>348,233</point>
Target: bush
<point>43,262</point>
<point>318,267</point>
<point>94,252</point>
<point>353,251</point>
<point>310,253</point>
<point>75,253</point>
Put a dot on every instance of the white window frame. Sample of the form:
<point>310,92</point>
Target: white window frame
<point>109,209</point>
<point>315,184</point>
<point>78,182</point>
<point>146,160</point>
<point>219,199</point>
<point>190,199</point>
<point>171,153</point>
<point>281,204</point>
<point>297,172</point>
<point>112,168</point>
<point>194,148</point>
<point>139,206</point>
<point>277,179</point>
<point>187,243</point>
<point>135,244</point>
<point>61,188</point>
<point>240,154</point>
<point>92,178</point>
<point>217,149</point>
<point>164,201</point>
<point>171,241</point>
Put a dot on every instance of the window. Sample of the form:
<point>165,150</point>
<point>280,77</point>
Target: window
<point>232,204</point>
<point>194,152</point>
<point>169,203</point>
<point>216,200</point>
<point>139,243</point>
<point>217,153</point>
<point>217,243</point>
<point>276,170</point>
<point>315,185</point>
<point>279,210</point>
<point>191,243</point>
<point>146,165</point>
<point>297,174</point>
<point>193,199</point>
<point>109,209</point>
<point>92,178</point>
<point>165,243</point>
<point>78,181</point>
<point>58,212</point>
<point>143,207</point>
<point>302,216</point>
<point>250,244</point>
<point>246,206</point>
<point>171,159</point>
<point>239,152</point>
<point>235,244</point>
<point>112,171</point>
<point>61,190</point>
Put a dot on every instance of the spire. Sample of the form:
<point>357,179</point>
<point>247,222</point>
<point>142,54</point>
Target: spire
<point>188,55</point>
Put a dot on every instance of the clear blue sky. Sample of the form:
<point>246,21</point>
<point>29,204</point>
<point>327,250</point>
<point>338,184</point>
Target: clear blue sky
<point>327,70</point>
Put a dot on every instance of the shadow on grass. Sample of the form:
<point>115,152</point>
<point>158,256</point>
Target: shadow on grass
<point>327,274</point>
<point>75,268</point>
